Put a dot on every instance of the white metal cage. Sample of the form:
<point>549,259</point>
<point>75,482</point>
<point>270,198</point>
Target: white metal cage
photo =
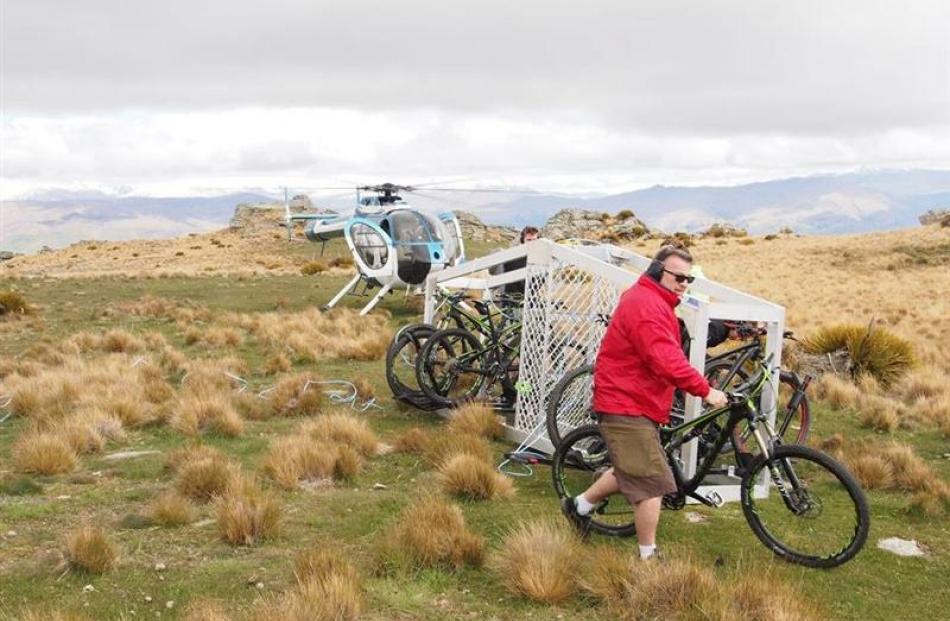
<point>570,292</point>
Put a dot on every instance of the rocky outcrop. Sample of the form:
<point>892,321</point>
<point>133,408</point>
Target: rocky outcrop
<point>936,216</point>
<point>476,230</point>
<point>586,224</point>
<point>724,229</point>
<point>254,219</point>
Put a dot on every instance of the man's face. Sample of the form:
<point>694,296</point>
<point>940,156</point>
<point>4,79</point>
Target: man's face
<point>672,267</point>
<point>530,237</point>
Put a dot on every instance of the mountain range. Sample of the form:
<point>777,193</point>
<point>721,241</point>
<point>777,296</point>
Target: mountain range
<point>821,204</point>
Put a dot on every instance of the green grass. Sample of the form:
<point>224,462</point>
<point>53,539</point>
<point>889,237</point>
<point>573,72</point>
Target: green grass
<point>354,515</point>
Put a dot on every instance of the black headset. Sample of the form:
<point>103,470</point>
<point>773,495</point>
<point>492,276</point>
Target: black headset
<point>656,268</point>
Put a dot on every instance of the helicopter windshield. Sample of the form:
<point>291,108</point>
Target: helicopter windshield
<point>409,227</point>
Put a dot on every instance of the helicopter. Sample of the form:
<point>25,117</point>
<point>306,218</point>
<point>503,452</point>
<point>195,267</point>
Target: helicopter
<point>393,245</point>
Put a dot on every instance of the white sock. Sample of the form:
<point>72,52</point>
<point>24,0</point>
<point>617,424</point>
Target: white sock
<point>583,507</point>
<point>647,551</point>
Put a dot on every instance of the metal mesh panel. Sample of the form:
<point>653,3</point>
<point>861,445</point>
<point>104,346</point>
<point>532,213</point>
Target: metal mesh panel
<point>564,311</point>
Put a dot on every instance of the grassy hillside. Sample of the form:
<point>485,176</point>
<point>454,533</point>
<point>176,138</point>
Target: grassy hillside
<point>147,359</point>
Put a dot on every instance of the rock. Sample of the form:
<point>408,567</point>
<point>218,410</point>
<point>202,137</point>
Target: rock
<point>170,604</point>
<point>476,230</point>
<point>935,216</point>
<point>121,455</point>
<point>724,229</point>
<point>88,588</point>
<point>379,486</point>
<point>148,599</point>
<point>45,250</point>
<point>256,219</point>
<point>900,547</point>
<point>695,518</point>
<point>159,566</point>
<point>6,255</point>
<point>594,225</point>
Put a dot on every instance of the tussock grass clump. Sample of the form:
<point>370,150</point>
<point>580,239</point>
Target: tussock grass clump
<point>120,341</point>
<point>872,471</point>
<point>155,387</point>
<point>45,397</point>
<point>364,390</point>
<point>838,392</point>
<point>213,337</point>
<point>879,414</point>
<point>334,598</point>
<point>320,562</point>
<point>872,349</point>
<point>48,615</point>
<point>90,550</point>
<point>478,419</point>
<point>475,479</point>
<point>312,335</point>
<point>43,453</point>
<point>246,514</point>
<point>172,509</point>
<point>13,303</point>
<point>605,573</point>
<point>414,440</point>
<point>431,533</point>
<point>760,594</point>
<point>206,610</point>
<point>677,588</point>
<point>348,464</point>
<point>88,431</point>
<point>342,261</point>
<point>297,395</point>
<point>537,560</point>
<point>443,446</point>
<point>205,478</point>
<point>278,363</point>
<point>211,411</point>
<point>296,458</point>
<point>178,458</point>
<point>314,267</point>
<point>344,429</point>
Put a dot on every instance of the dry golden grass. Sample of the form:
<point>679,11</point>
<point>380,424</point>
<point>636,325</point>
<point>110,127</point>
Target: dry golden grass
<point>246,514</point>
<point>473,478</point>
<point>878,413</point>
<point>213,337</point>
<point>89,549</point>
<point>206,610</point>
<point>414,440</point>
<point>444,445</point>
<point>477,419</point>
<point>207,411</point>
<point>335,598</point>
<point>88,431</point>
<point>297,395</point>
<point>320,562</point>
<point>364,389</point>
<point>348,464</point>
<point>13,303</point>
<point>296,458</point>
<point>277,363</point>
<point>43,453</point>
<point>759,594</point>
<point>605,572</point>
<point>872,471</point>
<point>874,349</point>
<point>172,509</point>
<point>837,391</point>
<point>430,533</point>
<point>205,478</point>
<point>676,588</point>
<point>538,560</point>
<point>177,459</point>
<point>121,342</point>
<point>31,614</point>
<point>311,335</point>
<point>314,267</point>
<point>345,429</point>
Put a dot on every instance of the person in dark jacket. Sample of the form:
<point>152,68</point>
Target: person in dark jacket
<point>639,365</point>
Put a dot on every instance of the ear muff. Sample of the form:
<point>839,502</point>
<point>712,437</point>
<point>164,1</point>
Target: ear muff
<point>655,270</point>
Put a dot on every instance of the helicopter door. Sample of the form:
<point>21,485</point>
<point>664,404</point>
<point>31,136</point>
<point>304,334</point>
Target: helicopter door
<point>415,248</point>
<point>454,244</point>
<point>371,247</point>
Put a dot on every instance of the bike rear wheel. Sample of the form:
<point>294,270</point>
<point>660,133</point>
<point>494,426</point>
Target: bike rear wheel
<point>570,403</point>
<point>401,358</point>
<point>815,513</point>
<point>581,459</point>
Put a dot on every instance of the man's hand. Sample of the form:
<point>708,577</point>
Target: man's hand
<point>716,398</point>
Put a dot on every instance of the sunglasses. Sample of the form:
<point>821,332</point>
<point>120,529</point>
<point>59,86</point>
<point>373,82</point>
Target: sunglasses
<point>680,278</point>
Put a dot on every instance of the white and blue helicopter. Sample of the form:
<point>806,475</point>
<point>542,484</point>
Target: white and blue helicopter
<point>394,246</point>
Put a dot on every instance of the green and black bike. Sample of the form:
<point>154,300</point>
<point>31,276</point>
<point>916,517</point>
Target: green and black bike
<point>814,512</point>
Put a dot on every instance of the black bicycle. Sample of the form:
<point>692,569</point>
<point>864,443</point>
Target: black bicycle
<point>815,513</point>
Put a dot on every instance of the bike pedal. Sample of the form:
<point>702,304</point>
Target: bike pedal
<point>714,499</point>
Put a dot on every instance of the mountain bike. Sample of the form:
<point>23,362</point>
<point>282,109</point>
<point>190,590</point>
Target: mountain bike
<point>569,404</point>
<point>815,513</point>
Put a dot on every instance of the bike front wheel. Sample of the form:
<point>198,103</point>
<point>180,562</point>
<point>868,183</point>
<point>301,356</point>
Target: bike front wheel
<point>569,404</point>
<point>581,459</point>
<point>815,513</point>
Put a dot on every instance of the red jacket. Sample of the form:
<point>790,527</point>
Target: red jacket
<point>641,360</point>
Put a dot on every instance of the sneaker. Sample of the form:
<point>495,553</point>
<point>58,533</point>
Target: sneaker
<point>581,523</point>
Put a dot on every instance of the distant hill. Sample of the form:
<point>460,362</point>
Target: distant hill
<point>821,204</point>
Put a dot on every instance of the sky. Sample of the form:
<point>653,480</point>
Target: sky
<point>209,96</point>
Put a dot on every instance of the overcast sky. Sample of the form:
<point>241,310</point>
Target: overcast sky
<point>178,97</point>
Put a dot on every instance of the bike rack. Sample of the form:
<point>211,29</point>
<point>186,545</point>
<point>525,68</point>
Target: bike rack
<point>567,290</point>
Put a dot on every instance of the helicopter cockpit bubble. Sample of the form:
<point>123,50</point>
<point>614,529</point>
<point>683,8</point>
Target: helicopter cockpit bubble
<point>370,245</point>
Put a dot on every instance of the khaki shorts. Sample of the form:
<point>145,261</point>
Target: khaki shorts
<point>633,443</point>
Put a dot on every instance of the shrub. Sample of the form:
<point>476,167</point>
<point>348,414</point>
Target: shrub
<point>88,549</point>
<point>477,419</point>
<point>172,509</point>
<point>43,453</point>
<point>246,514</point>
<point>431,533</point>
<point>343,429</point>
<point>623,214</point>
<point>874,350</point>
<point>314,267</point>
<point>13,303</point>
<point>538,561</point>
<point>474,479</point>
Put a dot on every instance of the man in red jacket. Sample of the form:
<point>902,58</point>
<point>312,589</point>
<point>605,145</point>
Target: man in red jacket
<point>639,365</point>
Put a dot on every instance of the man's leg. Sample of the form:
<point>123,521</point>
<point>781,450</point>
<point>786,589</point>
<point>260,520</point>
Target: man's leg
<point>602,487</point>
<point>646,517</point>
